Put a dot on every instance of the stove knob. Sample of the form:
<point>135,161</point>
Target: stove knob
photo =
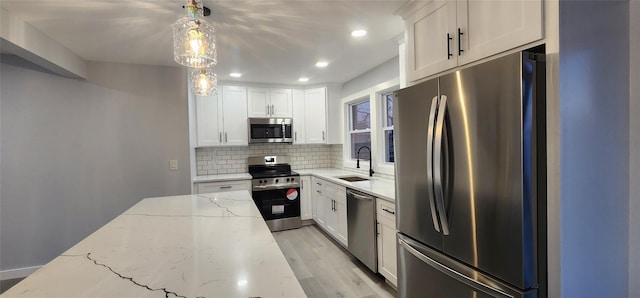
<point>276,180</point>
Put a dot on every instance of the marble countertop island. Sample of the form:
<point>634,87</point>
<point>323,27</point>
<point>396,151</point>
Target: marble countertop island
<point>209,245</point>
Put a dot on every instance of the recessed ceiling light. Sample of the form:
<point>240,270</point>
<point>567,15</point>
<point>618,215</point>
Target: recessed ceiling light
<point>322,64</point>
<point>235,74</point>
<point>303,79</point>
<point>359,33</point>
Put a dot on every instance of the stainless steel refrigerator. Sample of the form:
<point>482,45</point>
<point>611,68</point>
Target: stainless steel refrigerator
<point>470,182</point>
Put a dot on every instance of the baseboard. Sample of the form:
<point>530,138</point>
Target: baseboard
<point>18,273</point>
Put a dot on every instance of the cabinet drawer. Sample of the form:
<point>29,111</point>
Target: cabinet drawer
<point>223,186</point>
<point>318,185</point>
<point>386,209</point>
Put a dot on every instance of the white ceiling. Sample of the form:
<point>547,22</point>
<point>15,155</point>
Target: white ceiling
<point>267,41</point>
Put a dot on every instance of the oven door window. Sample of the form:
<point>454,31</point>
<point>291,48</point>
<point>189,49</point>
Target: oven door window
<point>279,203</point>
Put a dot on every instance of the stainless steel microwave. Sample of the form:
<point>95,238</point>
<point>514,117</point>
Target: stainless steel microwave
<point>270,130</point>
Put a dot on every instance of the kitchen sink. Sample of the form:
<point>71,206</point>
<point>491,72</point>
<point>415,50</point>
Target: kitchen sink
<point>353,178</point>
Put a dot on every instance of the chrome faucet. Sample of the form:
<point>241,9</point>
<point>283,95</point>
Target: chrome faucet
<point>370,162</point>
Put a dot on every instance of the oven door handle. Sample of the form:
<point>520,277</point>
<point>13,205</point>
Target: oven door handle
<point>271,187</point>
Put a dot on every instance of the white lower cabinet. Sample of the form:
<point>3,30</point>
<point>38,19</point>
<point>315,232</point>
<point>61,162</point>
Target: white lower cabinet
<point>306,201</point>
<point>318,211</point>
<point>223,186</point>
<point>387,244</point>
<point>330,209</point>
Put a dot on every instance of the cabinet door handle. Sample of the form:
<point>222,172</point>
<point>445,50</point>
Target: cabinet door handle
<point>267,109</point>
<point>449,55</point>
<point>225,187</point>
<point>460,50</point>
<point>220,137</point>
<point>225,137</point>
<point>389,211</point>
<point>302,184</point>
<point>295,136</point>
<point>323,135</point>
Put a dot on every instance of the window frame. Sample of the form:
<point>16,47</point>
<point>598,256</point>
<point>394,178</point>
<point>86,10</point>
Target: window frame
<point>383,125</point>
<point>351,131</point>
<point>374,95</point>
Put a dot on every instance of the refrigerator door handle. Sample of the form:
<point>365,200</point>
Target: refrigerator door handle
<point>437,160</point>
<point>454,274</point>
<point>432,202</point>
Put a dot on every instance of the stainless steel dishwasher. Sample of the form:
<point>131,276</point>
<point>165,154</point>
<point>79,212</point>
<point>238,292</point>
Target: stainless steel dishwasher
<point>361,226</point>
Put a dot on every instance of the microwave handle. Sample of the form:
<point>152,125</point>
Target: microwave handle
<point>284,130</point>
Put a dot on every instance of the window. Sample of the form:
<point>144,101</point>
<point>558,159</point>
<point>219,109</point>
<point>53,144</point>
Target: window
<point>387,125</point>
<point>360,129</point>
<point>368,122</point>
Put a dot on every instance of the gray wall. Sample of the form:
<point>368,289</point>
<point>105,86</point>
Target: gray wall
<point>634,177</point>
<point>77,153</point>
<point>594,103</point>
<point>381,73</point>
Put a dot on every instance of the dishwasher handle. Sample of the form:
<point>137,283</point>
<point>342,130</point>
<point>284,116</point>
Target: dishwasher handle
<point>358,196</point>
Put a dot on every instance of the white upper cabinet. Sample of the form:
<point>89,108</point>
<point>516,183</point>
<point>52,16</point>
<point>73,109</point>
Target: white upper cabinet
<point>258,101</point>
<point>447,33</point>
<point>310,116</point>
<point>491,27</point>
<point>298,116</point>
<point>431,41</point>
<point>221,119</point>
<point>234,110</point>
<point>267,103</point>
<point>281,103</point>
<point>315,116</point>
<point>208,120</point>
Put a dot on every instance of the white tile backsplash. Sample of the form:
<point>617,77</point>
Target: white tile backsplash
<point>230,160</point>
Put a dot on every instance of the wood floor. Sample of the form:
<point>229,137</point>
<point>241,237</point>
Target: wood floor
<point>8,283</point>
<point>326,270</point>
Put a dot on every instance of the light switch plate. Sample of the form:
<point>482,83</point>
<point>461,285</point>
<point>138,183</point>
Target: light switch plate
<point>173,165</point>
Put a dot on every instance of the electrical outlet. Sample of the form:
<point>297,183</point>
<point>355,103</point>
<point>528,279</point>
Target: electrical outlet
<point>173,165</point>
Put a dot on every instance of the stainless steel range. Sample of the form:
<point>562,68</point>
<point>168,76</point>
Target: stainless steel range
<point>276,191</point>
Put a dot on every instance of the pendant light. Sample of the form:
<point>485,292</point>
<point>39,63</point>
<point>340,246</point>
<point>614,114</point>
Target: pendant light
<point>203,81</point>
<point>194,41</point>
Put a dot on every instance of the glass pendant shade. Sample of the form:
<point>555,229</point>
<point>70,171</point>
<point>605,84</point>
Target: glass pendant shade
<point>203,82</point>
<point>194,41</point>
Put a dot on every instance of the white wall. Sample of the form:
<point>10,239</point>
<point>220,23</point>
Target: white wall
<point>594,103</point>
<point>381,73</point>
<point>77,153</point>
<point>23,39</point>
<point>634,153</point>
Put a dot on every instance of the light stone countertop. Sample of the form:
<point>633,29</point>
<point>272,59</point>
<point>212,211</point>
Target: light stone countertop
<point>376,186</point>
<point>383,188</point>
<point>211,245</point>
